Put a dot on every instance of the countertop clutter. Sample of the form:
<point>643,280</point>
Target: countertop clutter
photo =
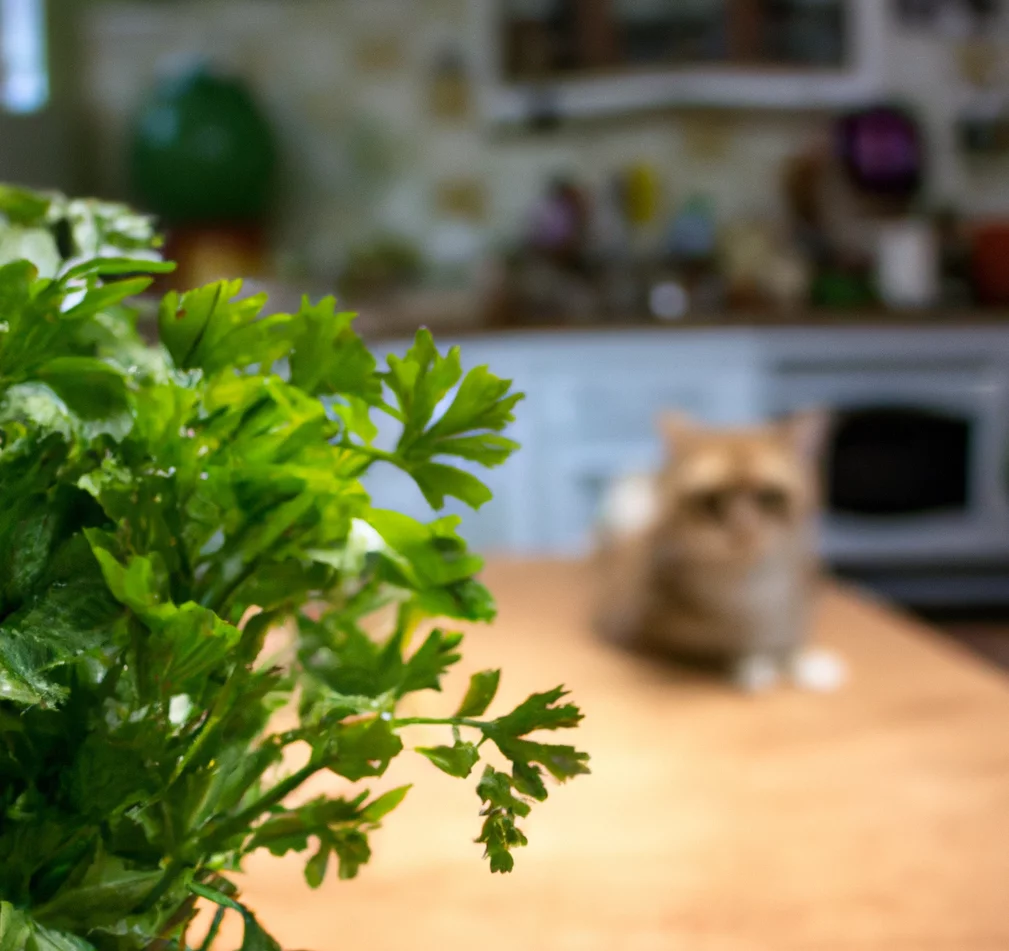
<point>875,818</point>
<point>855,233</point>
<point>461,313</point>
<point>855,238</point>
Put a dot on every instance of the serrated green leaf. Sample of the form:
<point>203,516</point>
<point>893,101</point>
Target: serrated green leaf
<point>23,206</point>
<point>469,428</point>
<point>48,939</point>
<point>15,928</point>
<point>182,321</point>
<point>562,762</point>
<point>527,779</point>
<point>379,808</point>
<point>419,382</point>
<point>141,584</point>
<point>439,481</point>
<point>190,641</point>
<point>483,401</point>
<point>108,892</point>
<point>482,690</point>
<point>457,760</point>
<point>107,295</point>
<point>37,406</point>
<point>55,630</point>
<point>425,668</point>
<point>329,357</point>
<point>213,328</point>
<point>115,266</point>
<point>430,555</point>
<point>353,851</point>
<point>487,449</point>
<point>500,834</point>
<point>356,416</point>
<point>292,828</point>
<point>540,712</point>
<point>364,749</point>
<point>495,789</point>
<point>315,868</point>
<point>88,387</point>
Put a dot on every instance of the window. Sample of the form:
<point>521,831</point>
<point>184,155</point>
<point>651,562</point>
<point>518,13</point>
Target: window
<point>24,70</point>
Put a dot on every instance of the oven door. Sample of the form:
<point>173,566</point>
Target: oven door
<point>914,469</point>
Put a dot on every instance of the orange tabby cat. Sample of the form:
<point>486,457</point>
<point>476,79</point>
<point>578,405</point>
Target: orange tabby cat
<point>714,558</point>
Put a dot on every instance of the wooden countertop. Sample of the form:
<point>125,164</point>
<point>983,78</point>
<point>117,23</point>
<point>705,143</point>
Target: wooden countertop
<point>876,818</point>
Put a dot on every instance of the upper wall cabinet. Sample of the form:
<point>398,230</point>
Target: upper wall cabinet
<point>570,58</point>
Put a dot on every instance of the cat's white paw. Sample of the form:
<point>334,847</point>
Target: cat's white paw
<point>819,670</point>
<point>756,674</point>
<point>631,505</point>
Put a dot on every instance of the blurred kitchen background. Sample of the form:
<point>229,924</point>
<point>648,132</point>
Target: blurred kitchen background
<point>735,207</point>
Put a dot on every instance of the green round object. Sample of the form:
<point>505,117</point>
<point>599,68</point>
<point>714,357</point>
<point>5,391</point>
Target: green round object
<point>202,151</point>
<point>835,289</point>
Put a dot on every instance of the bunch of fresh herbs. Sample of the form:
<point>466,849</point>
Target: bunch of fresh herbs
<point>161,510</point>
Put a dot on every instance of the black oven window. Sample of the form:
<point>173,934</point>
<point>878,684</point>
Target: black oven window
<point>894,461</point>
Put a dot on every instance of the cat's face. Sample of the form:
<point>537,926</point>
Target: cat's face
<point>738,496</point>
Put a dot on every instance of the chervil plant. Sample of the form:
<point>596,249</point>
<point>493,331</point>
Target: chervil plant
<point>161,510</point>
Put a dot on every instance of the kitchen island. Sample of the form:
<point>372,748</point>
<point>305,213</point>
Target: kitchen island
<point>874,818</point>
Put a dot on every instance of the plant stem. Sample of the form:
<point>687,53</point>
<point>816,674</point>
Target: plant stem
<point>182,917</point>
<point>440,721</point>
<point>231,827</point>
<point>376,455</point>
<point>276,795</point>
<point>215,926</point>
<point>215,717</point>
<point>168,878</point>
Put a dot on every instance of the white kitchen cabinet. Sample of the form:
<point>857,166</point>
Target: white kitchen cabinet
<point>593,397</point>
<point>717,76</point>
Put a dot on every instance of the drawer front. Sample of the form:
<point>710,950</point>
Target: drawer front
<point>626,411</point>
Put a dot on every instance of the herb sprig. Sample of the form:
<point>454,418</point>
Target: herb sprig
<point>161,510</point>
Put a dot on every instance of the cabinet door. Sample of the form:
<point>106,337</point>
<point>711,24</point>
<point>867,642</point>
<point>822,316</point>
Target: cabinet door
<point>593,57</point>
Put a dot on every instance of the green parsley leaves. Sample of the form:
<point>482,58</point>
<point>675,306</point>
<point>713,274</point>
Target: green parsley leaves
<point>162,509</point>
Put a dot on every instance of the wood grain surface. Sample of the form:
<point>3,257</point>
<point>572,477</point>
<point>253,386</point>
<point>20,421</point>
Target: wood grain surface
<point>875,818</point>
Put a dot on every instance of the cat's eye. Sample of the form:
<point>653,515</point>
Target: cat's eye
<point>771,501</point>
<point>713,504</point>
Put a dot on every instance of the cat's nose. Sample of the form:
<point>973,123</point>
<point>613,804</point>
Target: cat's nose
<point>744,518</point>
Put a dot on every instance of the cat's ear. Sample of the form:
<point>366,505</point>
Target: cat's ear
<point>806,432</point>
<point>675,427</point>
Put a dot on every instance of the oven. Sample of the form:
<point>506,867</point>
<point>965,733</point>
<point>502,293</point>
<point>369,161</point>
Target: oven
<point>914,469</point>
